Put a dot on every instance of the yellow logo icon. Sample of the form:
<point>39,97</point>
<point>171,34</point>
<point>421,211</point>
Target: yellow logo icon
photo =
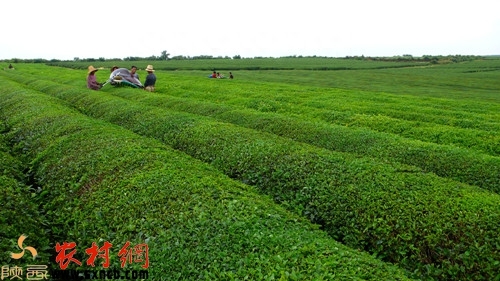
<point>20,241</point>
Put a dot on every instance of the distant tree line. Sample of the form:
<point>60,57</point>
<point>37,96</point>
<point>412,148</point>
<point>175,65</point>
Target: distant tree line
<point>166,56</point>
<point>424,58</point>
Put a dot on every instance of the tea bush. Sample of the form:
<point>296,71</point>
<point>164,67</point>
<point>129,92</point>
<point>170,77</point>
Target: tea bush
<point>104,183</point>
<point>19,212</point>
<point>438,228</point>
<point>463,165</point>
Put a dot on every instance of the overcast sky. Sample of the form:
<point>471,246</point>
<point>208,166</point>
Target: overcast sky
<point>65,29</point>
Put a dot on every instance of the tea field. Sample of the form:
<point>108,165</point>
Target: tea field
<point>294,170</point>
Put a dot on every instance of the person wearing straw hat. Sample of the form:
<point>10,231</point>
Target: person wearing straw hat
<point>149,84</point>
<point>91,80</point>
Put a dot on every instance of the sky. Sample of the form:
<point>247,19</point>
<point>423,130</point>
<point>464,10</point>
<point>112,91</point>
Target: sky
<point>64,29</point>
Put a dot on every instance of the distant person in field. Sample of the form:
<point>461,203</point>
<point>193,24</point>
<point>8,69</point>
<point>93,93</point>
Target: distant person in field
<point>132,75</point>
<point>133,72</point>
<point>123,74</point>
<point>91,79</point>
<point>10,66</point>
<point>231,75</point>
<point>149,84</point>
<point>214,75</point>
<point>113,74</point>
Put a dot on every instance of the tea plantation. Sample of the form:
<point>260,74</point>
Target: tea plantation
<point>374,171</point>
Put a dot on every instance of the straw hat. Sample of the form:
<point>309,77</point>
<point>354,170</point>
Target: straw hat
<point>92,69</point>
<point>150,68</point>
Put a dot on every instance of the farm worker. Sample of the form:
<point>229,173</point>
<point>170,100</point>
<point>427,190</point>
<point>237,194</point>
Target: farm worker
<point>91,80</point>
<point>214,75</point>
<point>149,84</point>
<point>133,73</point>
<point>231,75</point>
<point>132,76</point>
<point>112,75</point>
<point>123,74</point>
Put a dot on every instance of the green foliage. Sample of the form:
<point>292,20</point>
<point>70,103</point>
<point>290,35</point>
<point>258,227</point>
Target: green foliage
<point>104,183</point>
<point>447,161</point>
<point>448,151</point>
<point>164,55</point>
<point>19,213</point>
<point>208,63</point>
<point>438,228</point>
